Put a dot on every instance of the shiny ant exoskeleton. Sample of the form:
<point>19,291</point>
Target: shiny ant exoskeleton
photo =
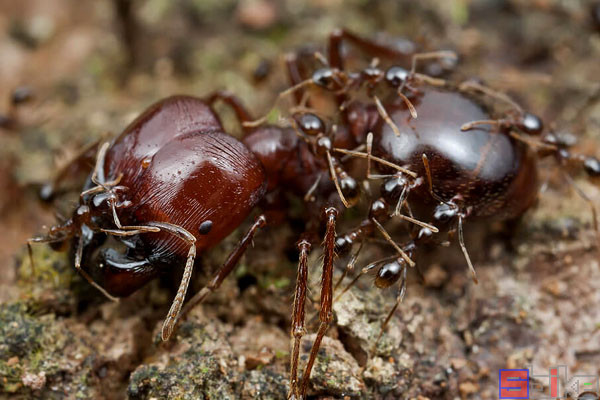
<point>174,183</point>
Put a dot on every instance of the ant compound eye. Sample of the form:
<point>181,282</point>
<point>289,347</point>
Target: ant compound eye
<point>395,76</point>
<point>205,227</point>
<point>445,212</point>
<point>324,77</point>
<point>389,274</point>
<point>592,166</point>
<point>350,190</point>
<point>531,124</point>
<point>310,124</point>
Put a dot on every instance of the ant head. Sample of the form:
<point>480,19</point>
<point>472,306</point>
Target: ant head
<point>531,124</point>
<point>389,273</point>
<point>372,75</point>
<point>445,213</point>
<point>379,209</point>
<point>392,188</point>
<point>592,166</point>
<point>350,190</point>
<point>396,76</point>
<point>343,245</point>
<point>327,78</point>
<point>310,124</point>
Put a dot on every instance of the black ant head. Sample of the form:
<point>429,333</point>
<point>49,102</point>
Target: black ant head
<point>389,273</point>
<point>392,188</point>
<point>531,124</point>
<point>396,75</point>
<point>379,209</point>
<point>327,78</point>
<point>445,213</point>
<point>372,75</point>
<point>592,166</point>
<point>310,124</point>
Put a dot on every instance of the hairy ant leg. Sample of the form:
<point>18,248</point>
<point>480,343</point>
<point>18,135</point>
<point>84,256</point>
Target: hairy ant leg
<point>298,314</point>
<point>326,312</point>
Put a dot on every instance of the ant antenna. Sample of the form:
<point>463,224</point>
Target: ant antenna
<point>335,179</point>
<point>461,241</point>
<point>411,108</point>
<point>363,271</point>
<point>471,85</point>
<point>389,239</point>
<point>280,96</point>
<point>420,223</point>
<point>386,117</point>
<point>429,180</point>
<point>359,154</point>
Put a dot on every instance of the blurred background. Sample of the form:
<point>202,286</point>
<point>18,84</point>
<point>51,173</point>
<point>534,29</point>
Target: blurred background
<point>71,71</point>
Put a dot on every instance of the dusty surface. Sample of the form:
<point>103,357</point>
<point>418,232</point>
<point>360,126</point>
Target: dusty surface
<point>538,299</point>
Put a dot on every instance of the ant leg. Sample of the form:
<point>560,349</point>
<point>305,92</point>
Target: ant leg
<point>325,313</point>
<point>350,265</point>
<point>379,160</point>
<point>463,248</point>
<point>235,103</point>
<point>84,156</point>
<point>399,300</point>
<point>78,256</point>
<point>46,239</point>
<point>174,311</point>
<point>369,46</point>
<point>298,314</point>
<point>294,75</point>
<point>227,266</point>
<point>386,117</point>
<point>389,239</point>
<point>587,199</point>
<point>475,86</point>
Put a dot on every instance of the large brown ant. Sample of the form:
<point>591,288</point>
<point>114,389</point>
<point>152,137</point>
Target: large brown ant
<point>174,183</point>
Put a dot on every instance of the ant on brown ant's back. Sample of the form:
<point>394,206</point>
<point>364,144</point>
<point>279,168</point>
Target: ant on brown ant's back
<point>174,183</point>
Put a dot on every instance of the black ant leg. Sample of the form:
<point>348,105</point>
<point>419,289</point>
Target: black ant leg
<point>369,46</point>
<point>589,201</point>
<point>350,266</point>
<point>294,75</point>
<point>298,314</point>
<point>227,266</point>
<point>325,313</point>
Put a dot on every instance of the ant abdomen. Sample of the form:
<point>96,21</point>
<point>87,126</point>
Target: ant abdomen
<point>493,174</point>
